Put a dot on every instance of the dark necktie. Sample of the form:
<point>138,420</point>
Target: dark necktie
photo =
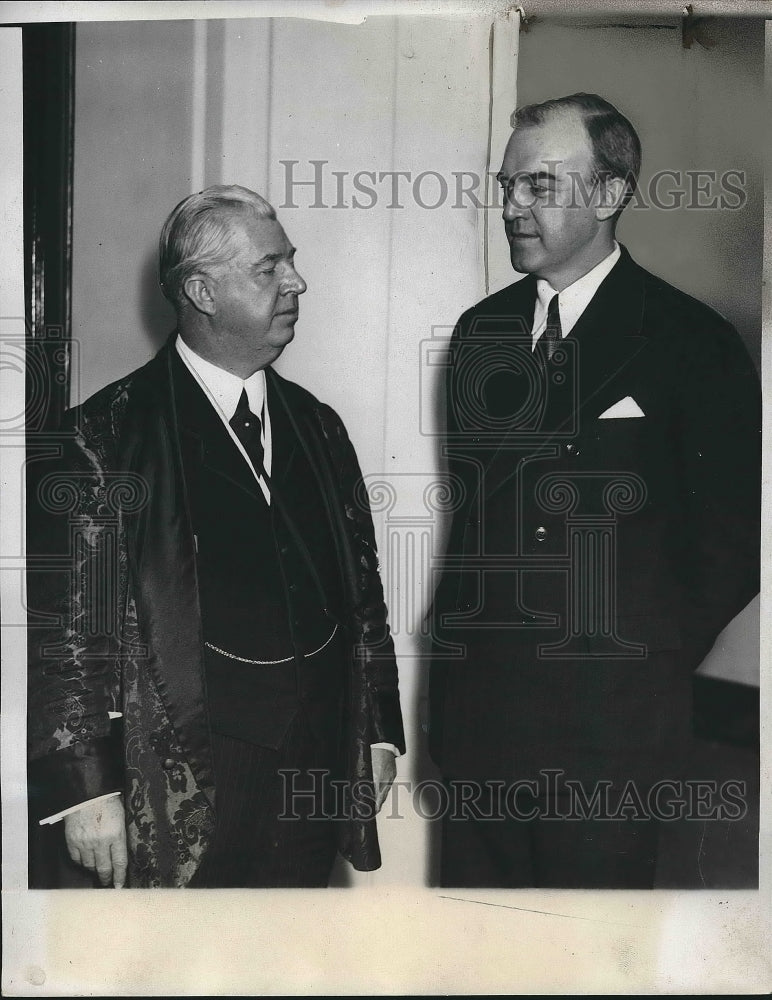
<point>548,343</point>
<point>247,428</point>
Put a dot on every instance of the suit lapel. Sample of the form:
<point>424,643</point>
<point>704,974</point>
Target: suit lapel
<point>608,338</point>
<point>284,440</point>
<point>508,323</point>
<point>605,341</point>
<point>300,434</point>
<point>203,436</point>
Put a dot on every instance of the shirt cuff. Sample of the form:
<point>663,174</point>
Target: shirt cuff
<point>116,715</point>
<point>66,812</point>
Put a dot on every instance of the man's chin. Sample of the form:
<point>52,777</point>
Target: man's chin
<point>524,255</point>
<point>280,338</point>
<point>522,262</point>
<point>283,332</point>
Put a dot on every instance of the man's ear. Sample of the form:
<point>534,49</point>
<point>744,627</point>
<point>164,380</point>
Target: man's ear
<point>199,291</point>
<point>611,194</point>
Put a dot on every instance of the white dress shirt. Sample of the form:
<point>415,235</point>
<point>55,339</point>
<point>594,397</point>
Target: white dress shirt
<point>223,390</point>
<point>573,300</point>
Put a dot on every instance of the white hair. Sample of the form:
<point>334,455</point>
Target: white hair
<point>198,233</point>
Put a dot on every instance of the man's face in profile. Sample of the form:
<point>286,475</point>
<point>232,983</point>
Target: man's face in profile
<point>256,294</point>
<point>550,224</point>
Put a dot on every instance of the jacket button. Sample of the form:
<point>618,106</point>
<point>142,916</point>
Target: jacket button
<point>540,534</point>
<point>169,763</point>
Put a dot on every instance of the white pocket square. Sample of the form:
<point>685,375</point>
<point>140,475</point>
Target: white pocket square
<point>626,407</point>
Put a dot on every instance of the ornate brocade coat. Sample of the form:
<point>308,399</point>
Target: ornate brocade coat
<point>129,634</point>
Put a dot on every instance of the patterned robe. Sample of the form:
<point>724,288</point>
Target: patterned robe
<point>128,638</point>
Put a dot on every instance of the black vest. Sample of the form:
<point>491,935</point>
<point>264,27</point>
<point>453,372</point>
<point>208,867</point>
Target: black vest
<point>268,577</point>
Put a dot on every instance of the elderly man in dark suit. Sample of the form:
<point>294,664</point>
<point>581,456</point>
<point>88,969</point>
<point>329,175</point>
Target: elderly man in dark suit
<point>605,428</point>
<point>223,611</point>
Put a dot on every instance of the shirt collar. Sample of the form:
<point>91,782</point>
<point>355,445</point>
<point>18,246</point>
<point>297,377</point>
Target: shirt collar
<point>575,298</point>
<point>224,387</point>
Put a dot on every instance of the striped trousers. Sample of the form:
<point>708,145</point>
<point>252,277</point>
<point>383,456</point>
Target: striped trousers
<point>273,830</point>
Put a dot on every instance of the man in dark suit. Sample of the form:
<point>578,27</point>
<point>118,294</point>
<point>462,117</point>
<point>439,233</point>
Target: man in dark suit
<point>605,430</point>
<point>223,609</point>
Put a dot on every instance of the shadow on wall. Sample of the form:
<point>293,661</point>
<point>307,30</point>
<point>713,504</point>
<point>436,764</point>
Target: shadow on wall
<point>425,770</point>
<point>158,319</point>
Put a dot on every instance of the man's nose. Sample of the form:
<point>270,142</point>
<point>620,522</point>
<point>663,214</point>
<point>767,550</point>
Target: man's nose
<point>516,203</point>
<point>295,283</point>
<point>511,211</point>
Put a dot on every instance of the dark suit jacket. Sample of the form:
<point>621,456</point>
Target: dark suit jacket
<point>591,673</point>
<point>129,638</point>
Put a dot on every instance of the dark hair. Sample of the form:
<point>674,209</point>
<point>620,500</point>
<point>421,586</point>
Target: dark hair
<point>616,148</point>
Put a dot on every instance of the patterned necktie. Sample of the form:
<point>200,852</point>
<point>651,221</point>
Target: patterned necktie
<point>548,343</point>
<point>247,428</point>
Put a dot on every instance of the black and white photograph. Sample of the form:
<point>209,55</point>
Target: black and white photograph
<point>383,482</point>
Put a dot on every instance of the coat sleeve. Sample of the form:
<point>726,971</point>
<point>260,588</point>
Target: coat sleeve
<point>72,645</point>
<point>720,441</point>
<point>375,645</point>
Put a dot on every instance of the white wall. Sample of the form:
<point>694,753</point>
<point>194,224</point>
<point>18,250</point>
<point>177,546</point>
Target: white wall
<point>133,100</point>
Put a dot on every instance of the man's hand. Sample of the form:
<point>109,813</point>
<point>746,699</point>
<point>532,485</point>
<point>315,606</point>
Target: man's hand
<point>96,838</point>
<point>384,773</point>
